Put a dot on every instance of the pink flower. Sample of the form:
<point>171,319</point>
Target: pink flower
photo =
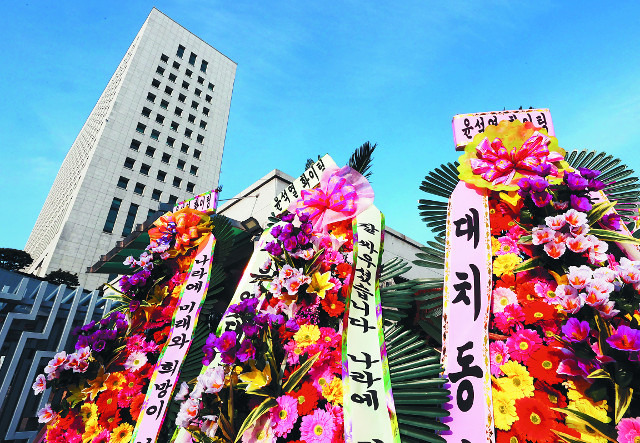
<point>607,311</point>
<point>606,274</point>
<point>284,415</point>
<point>554,250</point>
<point>507,246</point>
<point>509,318</point>
<point>260,432</point>
<point>579,276</point>
<point>135,361</point>
<point>629,430</point>
<point>287,272</point>
<point>578,244</point>
<point>318,427</point>
<point>572,305</point>
<point>542,234</point>
<point>39,385</point>
<point>575,330</point>
<point>46,414</point>
<point>555,223</point>
<point>499,354</point>
<point>523,343</point>
<point>502,297</point>
<point>625,339</point>
<point>575,218</point>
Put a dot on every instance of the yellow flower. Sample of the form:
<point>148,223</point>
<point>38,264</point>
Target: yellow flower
<point>91,430</point>
<point>505,263</point>
<point>114,381</point>
<point>320,284</point>
<point>333,391</point>
<point>517,383</point>
<point>495,245</point>
<point>307,335</point>
<point>97,385</point>
<point>256,379</point>
<point>89,413</point>
<point>122,434</point>
<point>587,407</point>
<point>504,410</point>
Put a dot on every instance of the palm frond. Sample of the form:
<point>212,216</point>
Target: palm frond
<point>440,182</point>
<point>361,159</point>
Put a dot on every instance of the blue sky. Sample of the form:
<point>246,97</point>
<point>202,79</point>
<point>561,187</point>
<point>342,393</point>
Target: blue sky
<point>323,77</point>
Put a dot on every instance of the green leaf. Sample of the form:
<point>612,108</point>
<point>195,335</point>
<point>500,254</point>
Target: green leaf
<point>532,263</point>
<point>255,414</point>
<point>600,373</point>
<point>623,401</point>
<point>606,235</point>
<point>361,159</point>
<point>526,240</point>
<point>602,429</point>
<point>598,211</point>
<point>295,378</point>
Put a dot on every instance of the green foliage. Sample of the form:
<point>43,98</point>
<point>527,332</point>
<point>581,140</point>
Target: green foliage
<point>61,277</point>
<point>361,159</point>
<point>14,259</point>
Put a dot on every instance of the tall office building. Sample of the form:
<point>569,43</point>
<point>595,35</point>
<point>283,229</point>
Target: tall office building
<point>155,135</point>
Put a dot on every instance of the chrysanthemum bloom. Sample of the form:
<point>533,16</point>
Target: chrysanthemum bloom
<point>318,427</point>
<point>523,343</point>
<point>507,246</point>
<point>502,297</point>
<point>517,383</point>
<point>536,420</point>
<point>629,430</point>
<point>89,412</point>
<point>115,381</point>
<point>107,402</point>
<point>625,339</point>
<point>499,355</point>
<point>538,311</point>
<point>512,316</point>
<point>333,391</point>
<point>504,410</point>
<point>284,415</point>
<point>307,335</point>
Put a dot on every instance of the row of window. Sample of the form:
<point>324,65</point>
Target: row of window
<point>123,183</point>
<point>164,104</point>
<point>131,214</point>
<point>155,134</point>
<point>192,59</point>
<point>150,151</point>
<point>172,78</point>
<point>145,168</point>
<point>146,112</point>
<point>185,85</point>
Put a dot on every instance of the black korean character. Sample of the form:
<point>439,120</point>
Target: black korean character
<point>467,129</point>
<point>231,324</point>
<point>311,172</point>
<point>156,410</point>
<point>197,286</point>
<point>363,292</point>
<point>320,165</point>
<point>188,307</point>
<point>364,377</point>
<point>370,398</point>
<point>245,295</point>
<point>205,258</point>
<point>528,118</point>
<point>366,258</point>
<point>542,120</point>
<point>364,307</point>
<point>285,196</point>
<point>277,203</point>
<point>493,120</point>
<point>465,402</point>
<point>362,322</point>
<point>184,322</point>
<point>369,245</point>
<point>480,124</point>
<point>305,181</point>
<point>469,225</point>
<point>292,190</point>
<point>194,204</point>
<point>464,286</point>
<point>369,228</point>
<point>168,367</point>
<point>367,360</point>
<point>199,273</point>
<point>179,340</point>
<point>163,388</point>
<point>365,275</point>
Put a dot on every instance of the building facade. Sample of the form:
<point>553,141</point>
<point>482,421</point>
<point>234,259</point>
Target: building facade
<point>155,135</point>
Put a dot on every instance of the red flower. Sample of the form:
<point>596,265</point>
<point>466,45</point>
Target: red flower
<point>107,402</point>
<point>526,293</point>
<point>508,437</point>
<point>537,311</point>
<point>136,405</point>
<point>307,397</point>
<point>543,365</point>
<point>110,421</point>
<point>343,270</point>
<point>535,421</point>
<point>332,305</point>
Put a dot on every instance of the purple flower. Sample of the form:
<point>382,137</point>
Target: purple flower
<point>625,339</point>
<point>307,228</point>
<point>99,345</point>
<point>575,330</point>
<point>595,185</point>
<point>302,238</point>
<point>288,217</point>
<point>580,203</point>
<point>292,325</point>
<point>229,357</point>
<point>290,244</point>
<point>273,248</point>
<point>576,182</point>
<point>134,305</point>
<point>611,221</point>
<point>226,341</point>
<point>541,199</point>
<point>287,230</point>
<point>524,185</point>
<point>538,184</point>
<point>542,170</point>
<point>250,330</point>
<point>588,173</point>
<point>247,351</point>
<point>276,230</point>
<point>121,324</point>
<point>303,218</point>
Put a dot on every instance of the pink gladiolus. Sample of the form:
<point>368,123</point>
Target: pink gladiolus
<point>579,276</point>
<point>39,385</point>
<point>578,244</point>
<point>556,223</point>
<point>575,218</point>
<point>625,339</point>
<point>46,414</point>
<point>554,250</point>
<point>542,234</point>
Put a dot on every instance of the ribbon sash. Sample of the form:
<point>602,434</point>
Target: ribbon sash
<point>369,411</point>
<point>465,319</point>
<point>170,361</point>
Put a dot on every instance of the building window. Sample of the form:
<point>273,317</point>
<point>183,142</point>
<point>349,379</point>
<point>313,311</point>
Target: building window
<point>176,65</point>
<point>164,58</point>
<point>129,162</point>
<point>161,176</point>
<point>193,170</point>
<point>112,215</point>
<point>181,98</point>
<point>194,104</point>
<point>192,59</point>
<point>196,154</point>
<point>160,118</point>
<point>135,145</point>
<point>155,134</point>
<point>174,126</point>
<point>150,151</point>
<point>188,73</point>
<point>203,66</point>
<point>155,83</point>
<point>200,80</point>
<point>150,213</point>
<point>184,148</point>
<point>180,52</point>
<point>200,138</point>
<point>171,141</point>
<point>173,199</point>
<point>141,128</point>
<point>155,195</point>
<point>164,104</point>
<point>151,97</point>
<point>208,98</point>
<point>188,132</point>
<point>185,85</point>
<point>203,124</point>
<point>205,111</point>
<point>130,220</point>
<point>176,182</point>
<point>190,186</point>
<point>123,182</point>
<point>197,92</point>
<point>178,111</point>
<point>181,164</point>
<point>139,189</point>
<point>144,169</point>
<point>192,118</point>
<point>165,157</point>
<point>160,70</point>
<point>210,86</point>
<point>168,90</point>
<point>172,78</point>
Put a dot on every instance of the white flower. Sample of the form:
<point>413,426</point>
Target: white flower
<point>40,384</point>
<point>182,393</point>
<point>135,361</point>
<point>503,297</point>
<point>46,414</point>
